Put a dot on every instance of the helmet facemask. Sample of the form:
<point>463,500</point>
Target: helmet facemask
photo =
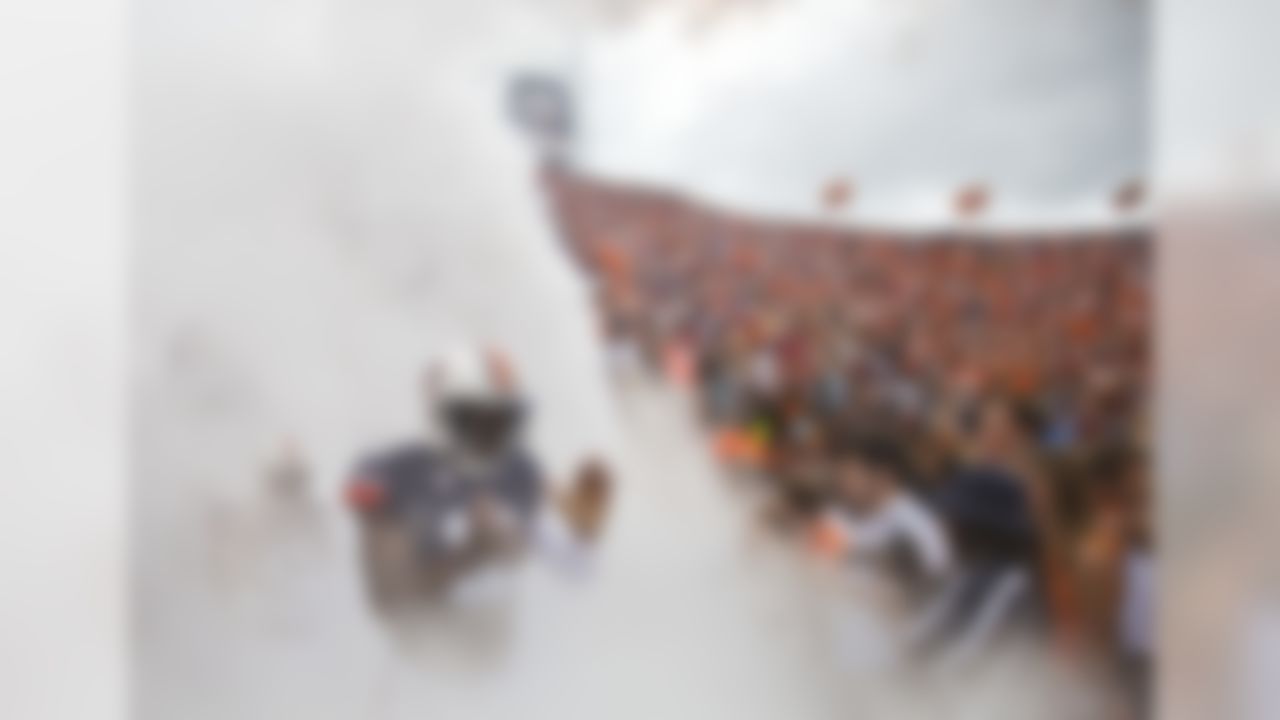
<point>481,427</point>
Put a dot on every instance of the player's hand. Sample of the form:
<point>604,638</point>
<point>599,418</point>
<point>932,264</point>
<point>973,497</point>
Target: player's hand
<point>586,503</point>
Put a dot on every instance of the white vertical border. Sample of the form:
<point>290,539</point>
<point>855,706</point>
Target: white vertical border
<point>63,257</point>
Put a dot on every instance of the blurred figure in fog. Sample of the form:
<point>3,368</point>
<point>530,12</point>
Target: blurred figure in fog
<point>287,482</point>
<point>290,537</point>
<point>290,504</point>
<point>444,523</point>
<point>266,540</point>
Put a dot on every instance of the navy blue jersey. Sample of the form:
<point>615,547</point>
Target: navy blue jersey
<point>420,487</point>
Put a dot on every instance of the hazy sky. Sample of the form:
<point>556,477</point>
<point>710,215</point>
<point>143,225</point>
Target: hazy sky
<point>1042,99</point>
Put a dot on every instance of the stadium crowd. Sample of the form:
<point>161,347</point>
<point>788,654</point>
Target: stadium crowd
<point>963,410</point>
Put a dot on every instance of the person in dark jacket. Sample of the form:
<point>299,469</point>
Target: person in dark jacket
<point>995,596</point>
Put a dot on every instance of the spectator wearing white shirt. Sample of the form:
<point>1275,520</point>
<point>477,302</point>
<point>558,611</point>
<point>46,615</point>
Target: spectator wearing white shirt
<point>881,522</point>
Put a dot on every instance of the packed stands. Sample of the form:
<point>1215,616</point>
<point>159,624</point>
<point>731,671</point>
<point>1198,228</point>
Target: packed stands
<point>1027,352</point>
